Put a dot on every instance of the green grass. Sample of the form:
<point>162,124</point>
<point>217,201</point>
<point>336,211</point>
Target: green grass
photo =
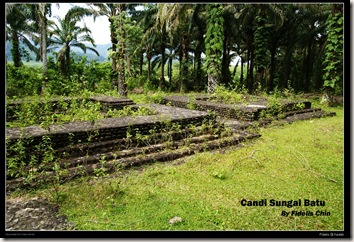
<point>205,189</point>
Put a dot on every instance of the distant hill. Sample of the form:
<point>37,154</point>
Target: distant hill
<point>102,50</point>
<point>30,55</point>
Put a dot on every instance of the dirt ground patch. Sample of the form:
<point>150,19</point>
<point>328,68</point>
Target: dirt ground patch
<point>35,214</point>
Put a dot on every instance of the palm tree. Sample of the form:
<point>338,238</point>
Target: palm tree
<point>197,45</point>
<point>39,14</point>
<point>158,30</point>
<point>261,49</point>
<point>246,16</point>
<point>178,17</point>
<point>267,35</point>
<point>18,28</point>
<point>112,11</point>
<point>316,26</point>
<point>155,38</point>
<point>234,26</point>
<point>147,22</point>
<point>301,43</point>
<point>43,28</point>
<point>67,34</point>
<point>119,24</point>
<point>214,41</point>
<point>333,63</point>
<point>289,42</point>
<point>231,27</point>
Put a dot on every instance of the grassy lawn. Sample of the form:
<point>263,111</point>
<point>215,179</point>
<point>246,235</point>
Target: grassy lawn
<point>303,160</point>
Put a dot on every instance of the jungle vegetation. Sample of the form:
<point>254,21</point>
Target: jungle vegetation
<point>178,47</point>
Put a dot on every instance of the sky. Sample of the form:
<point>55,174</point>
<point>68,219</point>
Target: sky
<point>100,28</point>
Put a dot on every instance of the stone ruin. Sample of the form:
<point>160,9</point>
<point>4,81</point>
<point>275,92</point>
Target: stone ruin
<point>175,131</point>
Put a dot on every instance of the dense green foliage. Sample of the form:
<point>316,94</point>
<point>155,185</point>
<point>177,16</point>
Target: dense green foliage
<point>333,71</point>
<point>278,46</point>
<point>214,40</point>
<point>27,80</point>
<point>261,51</point>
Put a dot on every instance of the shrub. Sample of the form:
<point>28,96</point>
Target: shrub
<point>23,81</point>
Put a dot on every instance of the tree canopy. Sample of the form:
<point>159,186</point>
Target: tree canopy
<point>292,46</point>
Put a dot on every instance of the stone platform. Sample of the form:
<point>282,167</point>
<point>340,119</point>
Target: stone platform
<point>79,147</point>
<point>246,112</point>
<point>53,104</point>
<point>174,131</point>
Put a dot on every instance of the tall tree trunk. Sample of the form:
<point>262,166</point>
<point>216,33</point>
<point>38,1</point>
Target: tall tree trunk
<point>248,70</point>
<point>214,45</point>
<point>272,70</point>
<point>308,68</point>
<point>15,50</point>
<point>184,62</point>
<point>251,70</point>
<point>261,78</point>
<point>114,40</point>
<point>62,65</point>
<point>286,67</point>
<point>127,59</point>
<point>286,70</point>
<point>198,70</point>
<point>148,57</point>
<point>250,79</point>
<point>170,68</point>
<point>127,56</point>
<point>235,69</point>
<point>43,25</point>
<point>122,87</point>
<point>141,63</point>
<point>162,49</point>
<point>180,67</point>
<point>225,64</point>
<point>333,62</point>
<point>241,73</point>
<point>260,47</point>
<point>198,61</point>
<point>248,63</point>
<point>212,83</point>
<point>67,61</point>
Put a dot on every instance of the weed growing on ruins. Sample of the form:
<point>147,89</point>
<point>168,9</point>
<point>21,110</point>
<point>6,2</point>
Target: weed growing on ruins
<point>27,113</point>
<point>154,135</point>
<point>191,101</point>
<point>37,164</point>
<point>56,180</point>
<point>300,106</point>
<point>274,105</point>
<point>101,171</point>
<point>129,111</point>
<point>226,96</point>
<point>46,113</point>
<point>16,162</point>
<point>263,114</point>
<point>142,139</point>
<point>150,97</point>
